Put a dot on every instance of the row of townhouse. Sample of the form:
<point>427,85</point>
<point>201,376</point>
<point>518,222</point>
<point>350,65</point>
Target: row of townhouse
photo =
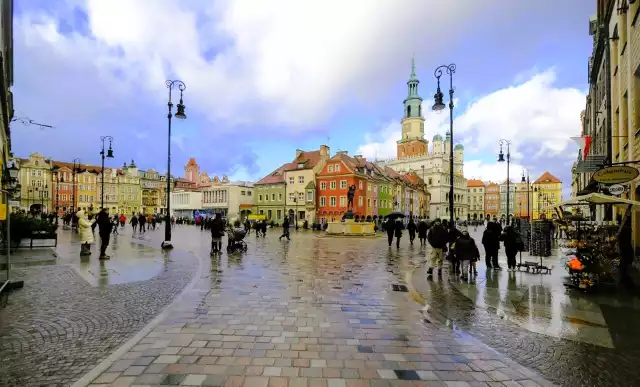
<point>314,187</point>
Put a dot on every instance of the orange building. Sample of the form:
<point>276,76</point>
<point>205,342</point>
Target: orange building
<point>492,199</point>
<point>332,184</point>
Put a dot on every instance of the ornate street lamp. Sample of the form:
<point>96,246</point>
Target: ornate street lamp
<point>109,154</point>
<point>525,179</point>
<point>10,186</point>
<point>439,105</point>
<point>166,244</point>
<point>501,159</point>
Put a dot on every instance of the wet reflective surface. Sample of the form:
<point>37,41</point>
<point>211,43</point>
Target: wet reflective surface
<point>315,311</point>
<point>571,337</point>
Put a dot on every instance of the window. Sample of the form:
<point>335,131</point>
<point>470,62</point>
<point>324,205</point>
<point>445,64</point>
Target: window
<point>291,197</point>
<point>259,198</point>
<point>266,197</point>
<point>291,180</point>
<point>310,196</point>
<point>360,185</point>
<point>301,179</point>
<point>343,184</point>
<point>330,169</point>
<point>273,197</point>
<point>243,193</point>
<point>323,185</point>
<point>333,184</point>
<point>323,201</point>
<point>368,202</point>
<point>280,196</point>
<point>343,201</point>
<point>332,201</point>
<point>337,167</point>
<point>360,201</point>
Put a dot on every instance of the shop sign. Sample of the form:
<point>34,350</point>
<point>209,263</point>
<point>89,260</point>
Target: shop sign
<point>617,189</point>
<point>616,174</point>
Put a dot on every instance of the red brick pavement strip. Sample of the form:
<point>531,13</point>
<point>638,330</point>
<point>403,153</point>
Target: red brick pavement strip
<point>281,328</point>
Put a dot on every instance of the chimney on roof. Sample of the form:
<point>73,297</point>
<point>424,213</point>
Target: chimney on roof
<point>298,152</point>
<point>324,151</point>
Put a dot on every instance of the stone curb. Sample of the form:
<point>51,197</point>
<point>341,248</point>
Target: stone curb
<point>443,322</point>
<point>90,376</point>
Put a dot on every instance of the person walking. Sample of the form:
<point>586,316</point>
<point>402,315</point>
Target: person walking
<point>217,232</point>
<point>86,233</point>
<point>263,228</point>
<point>104,223</point>
<point>437,237</point>
<point>134,223</point>
<point>512,245</point>
<point>491,243</point>
<point>422,232</point>
<point>452,236</point>
<point>411,227</point>
<point>398,227</point>
<point>466,251</point>
<point>285,229</point>
<point>389,227</point>
<point>142,221</point>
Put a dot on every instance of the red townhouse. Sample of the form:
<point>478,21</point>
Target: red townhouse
<point>332,183</point>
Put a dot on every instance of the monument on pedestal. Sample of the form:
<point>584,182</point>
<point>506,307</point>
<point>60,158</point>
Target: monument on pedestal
<point>348,227</point>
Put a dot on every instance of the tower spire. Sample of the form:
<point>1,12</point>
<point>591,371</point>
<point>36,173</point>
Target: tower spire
<point>413,75</point>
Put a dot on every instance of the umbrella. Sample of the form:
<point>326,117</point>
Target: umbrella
<point>395,215</point>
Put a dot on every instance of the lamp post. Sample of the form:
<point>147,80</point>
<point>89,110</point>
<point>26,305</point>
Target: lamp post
<point>526,180</point>
<point>42,195</point>
<point>59,179</point>
<point>76,168</point>
<point>109,154</point>
<point>166,244</point>
<point>439,105</point>
<point>501,159</point>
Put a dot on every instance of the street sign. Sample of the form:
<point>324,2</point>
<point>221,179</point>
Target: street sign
<point>617,189</point>
<point>616,174</point>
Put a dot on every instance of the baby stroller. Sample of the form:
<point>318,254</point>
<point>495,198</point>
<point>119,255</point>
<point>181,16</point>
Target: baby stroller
<point>236,240</point>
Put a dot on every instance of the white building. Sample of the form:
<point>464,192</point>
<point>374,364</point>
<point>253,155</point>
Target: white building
<point>414,155</point>
<point>232,199</point>
<point>185,203</point>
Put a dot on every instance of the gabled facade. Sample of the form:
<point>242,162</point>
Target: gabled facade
<point>547,193</point>
<point>299,179</point>
<point>129,196</point>
<point>503,199</point>
<point>476,195</point>
<point>333,182</point>
<point>268,197</point>
<point>492,200</point>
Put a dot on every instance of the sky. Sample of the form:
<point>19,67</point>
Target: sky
<point>264,78</point>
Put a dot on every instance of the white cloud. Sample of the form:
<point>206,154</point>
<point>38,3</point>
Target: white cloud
<point>495,172</point>
<point>533,113</point>
<point>283,62</point>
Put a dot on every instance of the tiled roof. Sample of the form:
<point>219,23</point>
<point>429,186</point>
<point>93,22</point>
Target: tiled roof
<point>475,183</point>
<point>547,178</point>
<point>91,168</point>
<point>310,159</point>
<point>192,162</point>
<point>273,178</point>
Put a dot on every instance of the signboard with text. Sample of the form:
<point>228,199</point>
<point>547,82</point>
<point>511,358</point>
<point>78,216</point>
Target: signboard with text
<point>617,174</point>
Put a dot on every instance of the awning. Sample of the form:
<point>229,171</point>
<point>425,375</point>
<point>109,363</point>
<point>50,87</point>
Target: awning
<point>596,198</point>
<point>246,206</point>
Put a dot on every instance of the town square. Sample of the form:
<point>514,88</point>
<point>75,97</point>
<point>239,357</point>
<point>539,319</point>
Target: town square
<point>240,193</point>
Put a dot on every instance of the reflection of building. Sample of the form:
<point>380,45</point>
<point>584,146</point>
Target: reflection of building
<point>413,156</point>
<point>300,183</point>
<point>503,199</point>
<point>547,193</point>
<point>492,199</point>
<point>476,198</point>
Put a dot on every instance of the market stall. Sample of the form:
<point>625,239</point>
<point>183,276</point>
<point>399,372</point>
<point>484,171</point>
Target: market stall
<point>590,248</point>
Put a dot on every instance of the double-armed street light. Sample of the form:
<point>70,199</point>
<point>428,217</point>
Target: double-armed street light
<point>438,106</point>
<point>501,159</point>
<point>166,244</point>
<point>109,154</point>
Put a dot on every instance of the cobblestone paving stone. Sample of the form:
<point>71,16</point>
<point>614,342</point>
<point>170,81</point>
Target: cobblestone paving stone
<point>313,312</point>
<point>566,362</point>
<point>58,327</point>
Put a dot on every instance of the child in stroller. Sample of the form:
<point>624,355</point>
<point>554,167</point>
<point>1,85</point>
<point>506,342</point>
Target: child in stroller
<point>236,239</point>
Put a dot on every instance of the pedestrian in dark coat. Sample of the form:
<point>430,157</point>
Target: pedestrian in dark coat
<point>491,243</point>
<point>389,228</point>
<point>104,223</point>
<point>217,232</point>
<point>466,252</point>
<point>512,245</point>
<point>398,232</point>
<point>285,229</point>
<point>422,232</point>
<point>411,227</point>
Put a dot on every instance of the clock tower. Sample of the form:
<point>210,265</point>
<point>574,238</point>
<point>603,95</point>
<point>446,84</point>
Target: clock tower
<point>412,144</point>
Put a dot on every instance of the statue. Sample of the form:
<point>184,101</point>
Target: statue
<point>350,195</point>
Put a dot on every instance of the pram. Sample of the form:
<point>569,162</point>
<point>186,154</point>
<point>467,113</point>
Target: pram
<point>236,240</point>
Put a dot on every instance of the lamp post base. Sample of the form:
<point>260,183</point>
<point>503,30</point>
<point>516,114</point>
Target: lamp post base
<point>166,245</point>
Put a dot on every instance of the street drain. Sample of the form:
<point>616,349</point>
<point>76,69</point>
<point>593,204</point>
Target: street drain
<point>399,288</point>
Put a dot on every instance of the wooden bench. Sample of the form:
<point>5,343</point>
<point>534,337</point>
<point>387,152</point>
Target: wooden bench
<point>43,235</point>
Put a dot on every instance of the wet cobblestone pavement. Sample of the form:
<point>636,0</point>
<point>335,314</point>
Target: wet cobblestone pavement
<point>503,311</point>
<point>60,325</point>
<point>312,312</point>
